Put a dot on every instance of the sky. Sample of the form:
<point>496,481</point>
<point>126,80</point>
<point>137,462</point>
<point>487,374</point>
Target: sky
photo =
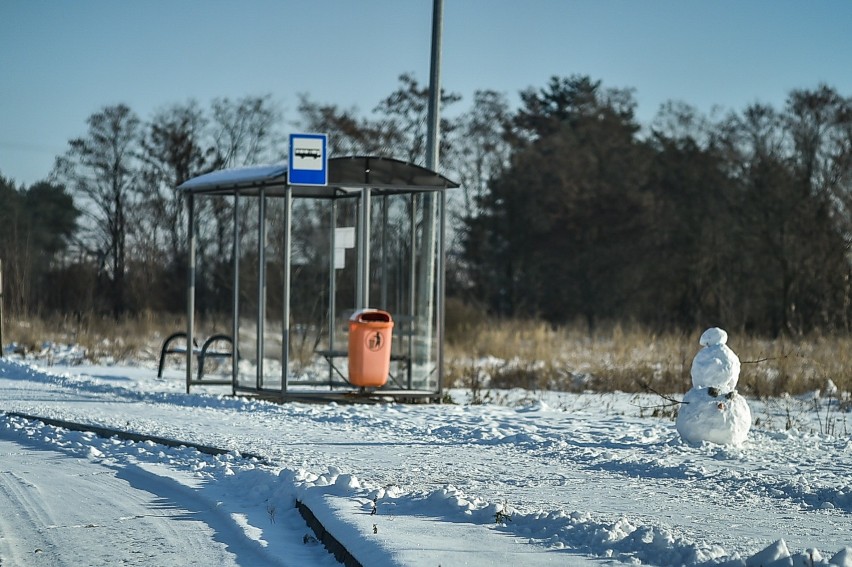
<point>62,61</point>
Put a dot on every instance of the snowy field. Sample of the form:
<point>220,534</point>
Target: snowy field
<point>528,479</point>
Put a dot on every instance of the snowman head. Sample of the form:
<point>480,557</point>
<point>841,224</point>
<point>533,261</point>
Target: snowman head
<point>713,336</point>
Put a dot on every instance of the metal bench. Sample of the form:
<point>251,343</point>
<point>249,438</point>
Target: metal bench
<point>201,354</point>
<point>331,355</point>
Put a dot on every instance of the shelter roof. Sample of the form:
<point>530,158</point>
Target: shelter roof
<point>345,175</point>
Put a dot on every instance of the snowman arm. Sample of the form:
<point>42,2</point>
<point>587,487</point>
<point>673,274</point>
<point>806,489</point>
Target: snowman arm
<point>780,357</point>
<point>648,387</point>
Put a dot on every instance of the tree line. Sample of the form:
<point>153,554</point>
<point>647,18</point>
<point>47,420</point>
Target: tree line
<point>742,222</point>
<point>570,209</point>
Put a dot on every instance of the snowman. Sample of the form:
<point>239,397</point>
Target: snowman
<point>713,410</point>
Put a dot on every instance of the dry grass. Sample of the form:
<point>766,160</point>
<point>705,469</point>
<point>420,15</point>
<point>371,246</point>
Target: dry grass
<point>484,353</point>
<point>103,338</point>
<point>786,366</point>
<point>534,355</point>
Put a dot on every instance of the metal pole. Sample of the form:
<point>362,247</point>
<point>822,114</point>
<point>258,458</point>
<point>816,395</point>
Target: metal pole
<point>190,288</point>
<point>442,290</point>
<point>261,283</point>
<point>384,289</point>
<point>412,285</point>
<point>1,308</point>
<point>332,287</point>
<point>285,331</point>
<point>429,246</point>
<point>359,262</point>
<point>235,330</point>
<point>432,153</point>
<point>433,136</point>
<point>363,289</point>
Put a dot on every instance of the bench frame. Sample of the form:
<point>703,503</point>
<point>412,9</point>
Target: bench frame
<point>201,354</point>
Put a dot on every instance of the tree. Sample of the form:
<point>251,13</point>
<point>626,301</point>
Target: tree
<point>560,225</point>
<point>102,171</point>
<point>567,100</point>
<point>348,134</point>
<point>793,247</point>
<point>482,148</point>
<point>173,151</point>
<point>482,152</point>
<point>692,227</point>
<point>175,147</point>
<point>17,256</point>
<point>246,131</point>
<point>36,225</point>
<point>820,125</point>
<point>403,126</point>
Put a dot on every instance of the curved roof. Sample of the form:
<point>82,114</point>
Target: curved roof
<point>345,174</point>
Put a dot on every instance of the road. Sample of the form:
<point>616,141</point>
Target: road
<point>57,510</point>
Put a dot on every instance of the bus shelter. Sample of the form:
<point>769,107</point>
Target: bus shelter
<point>304,259</point>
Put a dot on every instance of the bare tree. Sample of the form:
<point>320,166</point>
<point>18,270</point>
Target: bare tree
<point>402,127</point>
<point>174,149</point>
<point>482,150</point>
<point>348,134</point>
<point>246,130</point>
<point>101,171</point>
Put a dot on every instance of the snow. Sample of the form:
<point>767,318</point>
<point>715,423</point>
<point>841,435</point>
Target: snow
<point>542,478</point>
<point>235,176</point>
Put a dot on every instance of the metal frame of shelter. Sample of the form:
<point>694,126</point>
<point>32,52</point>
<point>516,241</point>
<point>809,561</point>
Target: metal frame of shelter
<point>359,180</point>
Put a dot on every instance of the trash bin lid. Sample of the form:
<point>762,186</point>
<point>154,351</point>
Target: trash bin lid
<point>370,314</point>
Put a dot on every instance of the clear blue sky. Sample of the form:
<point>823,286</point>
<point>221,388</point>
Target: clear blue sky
<point>62,60</point>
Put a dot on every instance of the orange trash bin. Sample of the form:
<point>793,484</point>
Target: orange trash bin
<point>370,333</point>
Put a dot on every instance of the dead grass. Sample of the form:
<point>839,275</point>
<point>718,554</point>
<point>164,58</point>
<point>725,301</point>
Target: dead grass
<point>484,353</point>
<point>103,338</point>
<point>629,358</point>
<point>786,366</point>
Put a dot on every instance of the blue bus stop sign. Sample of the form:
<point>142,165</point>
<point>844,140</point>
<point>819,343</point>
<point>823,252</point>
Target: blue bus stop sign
<point>308,163</point>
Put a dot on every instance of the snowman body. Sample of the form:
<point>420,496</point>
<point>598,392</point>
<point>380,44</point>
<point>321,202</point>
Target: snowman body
<point>712,410</point>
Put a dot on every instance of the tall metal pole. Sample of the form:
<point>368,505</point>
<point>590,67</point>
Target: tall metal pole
<point>434,121</point>
<point>433,136</point>
<point>431,203</point>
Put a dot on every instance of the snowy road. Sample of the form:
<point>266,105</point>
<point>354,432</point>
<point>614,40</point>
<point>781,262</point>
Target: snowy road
<point>538,459</point>
<point>580,476</point>
<point>39,527</point>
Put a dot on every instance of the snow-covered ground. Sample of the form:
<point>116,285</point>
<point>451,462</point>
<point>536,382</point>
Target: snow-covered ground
<point>531,479</point>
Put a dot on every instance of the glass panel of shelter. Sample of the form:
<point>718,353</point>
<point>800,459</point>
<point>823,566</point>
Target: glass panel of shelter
<point>402,280</point>
<point>321,238</point>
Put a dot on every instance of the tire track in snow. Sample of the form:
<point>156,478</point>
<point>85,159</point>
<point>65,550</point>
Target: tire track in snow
<point>149,519</point>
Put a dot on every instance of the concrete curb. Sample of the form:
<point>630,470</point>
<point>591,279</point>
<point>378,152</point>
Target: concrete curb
<point>106,433</point>
<point>329,541</point>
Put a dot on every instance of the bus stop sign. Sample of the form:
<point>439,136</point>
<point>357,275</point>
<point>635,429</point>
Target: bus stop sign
<point>308,163</point>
